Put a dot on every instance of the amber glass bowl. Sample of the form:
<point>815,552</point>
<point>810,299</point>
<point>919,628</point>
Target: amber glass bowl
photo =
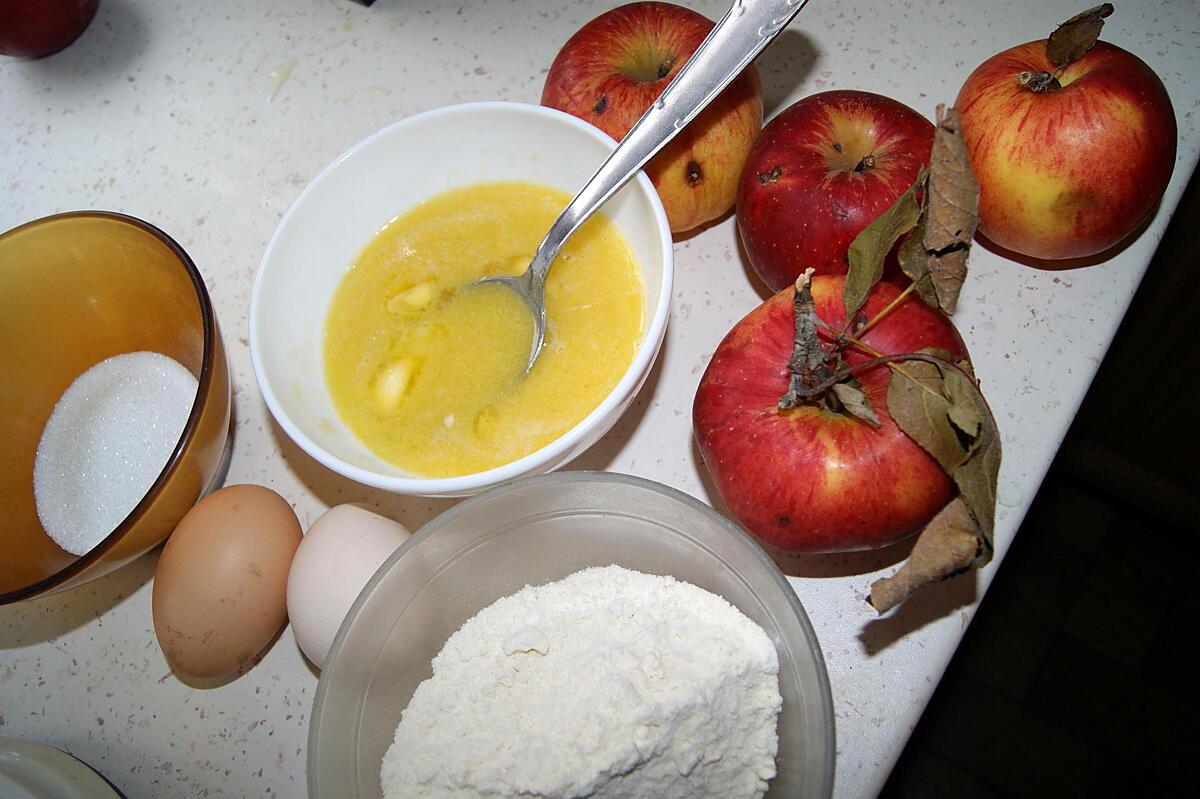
<point>75,289</point>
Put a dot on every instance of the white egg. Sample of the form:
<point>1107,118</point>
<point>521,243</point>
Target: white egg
<point>339,553</point>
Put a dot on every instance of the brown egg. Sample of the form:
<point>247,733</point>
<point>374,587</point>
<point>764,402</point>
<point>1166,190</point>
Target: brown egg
<point>220,589</point>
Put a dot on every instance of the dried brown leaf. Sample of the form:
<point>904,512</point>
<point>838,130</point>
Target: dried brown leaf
<point>976,477</point>
<point>963,364</point>
<point>948,272</point>
<point>870,247</point>
<point>939,406</point>
<point>914,262</point>
<point>959,390</point>
<point>952,209</point>
<point>1076,36</point>
<point>917,404</point>
<point>856,402</point>
<point>947,546</point>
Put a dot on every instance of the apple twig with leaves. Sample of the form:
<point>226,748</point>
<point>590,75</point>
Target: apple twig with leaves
<point>1069,42</point>
<point>936,402</point>
<point>778,409</point>
<point>932,398</point>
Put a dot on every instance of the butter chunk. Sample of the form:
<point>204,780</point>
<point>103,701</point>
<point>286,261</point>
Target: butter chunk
<point>417,298</point>
<point>394,381</point>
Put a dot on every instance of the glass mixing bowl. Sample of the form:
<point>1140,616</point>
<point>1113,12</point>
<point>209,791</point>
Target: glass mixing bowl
<point>531,532</point>
<point>75,289</point>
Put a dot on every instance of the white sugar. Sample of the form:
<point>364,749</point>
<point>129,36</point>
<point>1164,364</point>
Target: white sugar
<point>108,438</point>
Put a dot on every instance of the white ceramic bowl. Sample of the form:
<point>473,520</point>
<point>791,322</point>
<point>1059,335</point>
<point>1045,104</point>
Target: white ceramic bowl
<point>379,178</point>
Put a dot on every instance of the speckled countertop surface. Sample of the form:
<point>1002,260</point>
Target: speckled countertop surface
<point>207,119</point>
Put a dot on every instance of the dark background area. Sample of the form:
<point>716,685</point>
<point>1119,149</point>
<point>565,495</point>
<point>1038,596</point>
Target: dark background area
<point>1073,678</point>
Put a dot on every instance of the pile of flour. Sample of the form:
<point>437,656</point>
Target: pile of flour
<point>609,683</point>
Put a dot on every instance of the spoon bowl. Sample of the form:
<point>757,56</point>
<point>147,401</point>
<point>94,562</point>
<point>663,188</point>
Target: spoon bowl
<point>534,297</point>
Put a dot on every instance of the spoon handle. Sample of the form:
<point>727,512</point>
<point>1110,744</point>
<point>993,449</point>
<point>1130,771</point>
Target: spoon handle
<point>745,30</point>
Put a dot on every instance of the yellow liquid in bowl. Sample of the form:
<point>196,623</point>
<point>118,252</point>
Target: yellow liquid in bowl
<point>428,371</point>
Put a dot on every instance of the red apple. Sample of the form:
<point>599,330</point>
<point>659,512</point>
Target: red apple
<point>1071,171</point>
<point>821,172</point>
<point>34,28</point>
<point>618,64</point>
<point>810,479</point>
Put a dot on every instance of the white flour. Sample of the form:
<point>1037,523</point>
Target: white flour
<point>609,683</point>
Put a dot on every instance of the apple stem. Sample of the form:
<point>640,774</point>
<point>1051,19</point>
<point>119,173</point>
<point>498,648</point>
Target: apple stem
<point>810,376</point>
<point>1040,81</point>
<point>867,162</point>
<point>890,361</point>
<point>879,317</point>
<point>843,339</point>
<point>893,362</point>
<point>809,364</point>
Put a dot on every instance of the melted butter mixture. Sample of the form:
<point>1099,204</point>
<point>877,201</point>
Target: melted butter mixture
<point>428,371</point>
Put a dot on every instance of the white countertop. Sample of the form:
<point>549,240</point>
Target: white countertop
<point>207,119</point>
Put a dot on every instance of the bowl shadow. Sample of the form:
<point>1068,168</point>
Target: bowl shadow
<point>42,619</point>
<point>608,449</point>
<point>332,488</point>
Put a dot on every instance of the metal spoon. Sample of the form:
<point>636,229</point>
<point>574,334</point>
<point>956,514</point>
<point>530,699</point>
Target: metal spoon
<point>745,30</point>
